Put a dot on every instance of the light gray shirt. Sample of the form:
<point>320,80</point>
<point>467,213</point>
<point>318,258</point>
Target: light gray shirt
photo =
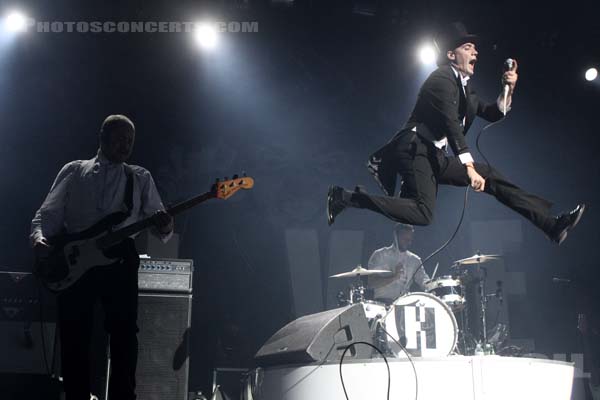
<point>402,263</point>
<point>85,191</point>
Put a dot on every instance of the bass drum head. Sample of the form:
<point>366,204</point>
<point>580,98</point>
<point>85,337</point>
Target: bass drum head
<point>423,324</point>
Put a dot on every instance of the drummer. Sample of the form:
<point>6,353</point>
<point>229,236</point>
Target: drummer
<point>401,262</point>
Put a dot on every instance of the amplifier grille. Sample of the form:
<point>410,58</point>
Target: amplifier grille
<point>163,362</point>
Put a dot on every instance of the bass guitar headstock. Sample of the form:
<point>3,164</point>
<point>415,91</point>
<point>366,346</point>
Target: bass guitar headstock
<point>224,189</point>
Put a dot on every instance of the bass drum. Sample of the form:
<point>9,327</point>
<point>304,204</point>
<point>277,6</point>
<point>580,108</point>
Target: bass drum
<point>423,324</point>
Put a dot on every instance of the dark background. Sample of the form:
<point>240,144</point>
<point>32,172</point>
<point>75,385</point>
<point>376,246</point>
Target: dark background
<point>299,106</point>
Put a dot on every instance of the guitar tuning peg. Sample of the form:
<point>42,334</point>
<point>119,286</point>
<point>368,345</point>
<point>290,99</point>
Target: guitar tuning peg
<point>226,178</point>
<point>235,176</point>
<point>244,174</point>
<point>217,180</point>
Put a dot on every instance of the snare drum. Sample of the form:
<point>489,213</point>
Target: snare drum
<point>423,324</point>
<point>448,289</point>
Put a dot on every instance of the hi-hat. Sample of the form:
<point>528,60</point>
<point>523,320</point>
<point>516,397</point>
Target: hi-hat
<point>360,271</point>
<point>477,259</point>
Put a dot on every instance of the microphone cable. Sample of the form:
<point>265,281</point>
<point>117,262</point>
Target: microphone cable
<point>487,162</point>
<point>389,382</point>
<point>412,363</point>
<point>443,246</point>
<point>462,215</point>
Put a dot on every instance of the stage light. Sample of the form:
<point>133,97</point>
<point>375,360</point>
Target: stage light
<point>427,54</point>
<point>15,22</point>
<point>591,74</point>
<point>206,36</point>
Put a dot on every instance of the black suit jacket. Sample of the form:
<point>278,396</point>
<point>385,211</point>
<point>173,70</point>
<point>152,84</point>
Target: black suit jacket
<point>440,106</point>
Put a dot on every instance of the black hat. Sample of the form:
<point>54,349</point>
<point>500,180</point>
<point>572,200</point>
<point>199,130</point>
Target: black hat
<point>452,36</point>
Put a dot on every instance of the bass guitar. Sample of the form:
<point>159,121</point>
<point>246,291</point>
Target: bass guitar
<point>73,254</point>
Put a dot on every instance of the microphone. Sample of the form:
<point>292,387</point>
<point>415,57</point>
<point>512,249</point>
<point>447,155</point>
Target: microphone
<point>561,280</point>
<point>508,66</point>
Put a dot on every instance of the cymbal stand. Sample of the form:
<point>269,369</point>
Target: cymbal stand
<point>483,298</point>
<point>357,293</point>
<point>466,341</point>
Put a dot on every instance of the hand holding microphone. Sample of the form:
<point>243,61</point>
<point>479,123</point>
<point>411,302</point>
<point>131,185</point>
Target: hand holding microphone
<point>509,81</point>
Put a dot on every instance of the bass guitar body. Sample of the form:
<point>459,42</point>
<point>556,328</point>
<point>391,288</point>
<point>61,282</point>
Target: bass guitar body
<point>74,254</point>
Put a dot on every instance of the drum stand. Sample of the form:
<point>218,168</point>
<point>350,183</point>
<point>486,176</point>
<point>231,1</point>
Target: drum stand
<point>356,293</point>
<point>483,299</point>
<point>477,275</point>
<point>380,338</point>
<point>471,345</point>
<point>484,347</point>
<point>464,333</point>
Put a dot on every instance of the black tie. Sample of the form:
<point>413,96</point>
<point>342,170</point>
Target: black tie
<point>462,103</point>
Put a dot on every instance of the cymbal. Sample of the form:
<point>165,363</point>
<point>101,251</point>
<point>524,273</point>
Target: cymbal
<point>478,259</point>
<point>360,271</point>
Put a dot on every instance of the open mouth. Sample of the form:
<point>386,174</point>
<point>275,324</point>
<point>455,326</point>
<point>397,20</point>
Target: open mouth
<point>472,62</point>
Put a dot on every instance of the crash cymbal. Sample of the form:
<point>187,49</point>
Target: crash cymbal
<point>477,259</point>
<point>360,271</point>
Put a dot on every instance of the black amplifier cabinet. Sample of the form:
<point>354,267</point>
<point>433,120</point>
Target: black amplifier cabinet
<point>164,317</point>
<point>165,275</point>
<point>163,343</point>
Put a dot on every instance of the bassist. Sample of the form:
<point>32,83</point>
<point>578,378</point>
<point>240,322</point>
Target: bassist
<point>84,192</point>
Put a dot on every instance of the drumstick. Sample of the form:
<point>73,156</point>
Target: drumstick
<point>435,270</point>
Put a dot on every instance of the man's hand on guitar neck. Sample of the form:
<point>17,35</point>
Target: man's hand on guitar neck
<point>163,221</point>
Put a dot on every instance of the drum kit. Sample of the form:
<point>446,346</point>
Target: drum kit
<point>442,321</point>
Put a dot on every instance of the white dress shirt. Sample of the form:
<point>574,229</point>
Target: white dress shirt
<point>85,191</point>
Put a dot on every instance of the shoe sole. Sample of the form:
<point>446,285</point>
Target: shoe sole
<point>578,217</point>
<point>563,235</point>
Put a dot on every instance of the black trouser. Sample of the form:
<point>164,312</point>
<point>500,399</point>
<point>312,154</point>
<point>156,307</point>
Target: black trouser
<point>116,288</point>
<point>423,167</point>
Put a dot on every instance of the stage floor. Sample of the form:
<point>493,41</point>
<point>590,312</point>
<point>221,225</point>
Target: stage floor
<point>453,377</point>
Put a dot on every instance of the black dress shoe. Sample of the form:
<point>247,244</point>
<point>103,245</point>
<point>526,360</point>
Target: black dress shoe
<point>564,223</point>
<point>335,203</point>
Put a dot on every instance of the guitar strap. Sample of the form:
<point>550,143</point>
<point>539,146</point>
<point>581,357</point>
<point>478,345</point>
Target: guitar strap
<point>121,249</point>
<point>129,189</point>
<point>119,217</point>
